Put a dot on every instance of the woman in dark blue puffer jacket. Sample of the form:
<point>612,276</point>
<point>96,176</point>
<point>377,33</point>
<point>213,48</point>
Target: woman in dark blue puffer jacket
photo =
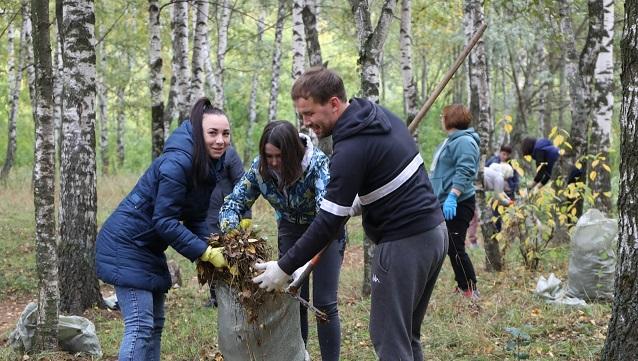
<point>167,207</point>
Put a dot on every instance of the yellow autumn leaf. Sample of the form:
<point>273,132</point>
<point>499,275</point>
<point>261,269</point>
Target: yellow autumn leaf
<point>528,158</point>
<point>592,175</point>
<point>566,144</point>
<point>606,167</point>
<point>607,194</point>
<point>594,163</point>
<point>573,211</point>
<point>508,118</point>
<point>551,134</point>
<point>578,165</point>
<point>559,140</point>
<point>508,128</point>
<point>561,152</point>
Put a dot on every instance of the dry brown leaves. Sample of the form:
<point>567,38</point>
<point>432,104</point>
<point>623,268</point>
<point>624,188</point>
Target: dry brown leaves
<point>242,248</point>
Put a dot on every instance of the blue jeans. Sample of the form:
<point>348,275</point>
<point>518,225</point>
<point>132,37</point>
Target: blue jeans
<point>143,313</point>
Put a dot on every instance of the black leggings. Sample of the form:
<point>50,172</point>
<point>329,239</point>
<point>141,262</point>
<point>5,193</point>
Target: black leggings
<point>325,281</point>
<point>457,229</point>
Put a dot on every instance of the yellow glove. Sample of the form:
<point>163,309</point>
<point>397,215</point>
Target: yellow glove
<point>245,224</point>
<point>214,256</point>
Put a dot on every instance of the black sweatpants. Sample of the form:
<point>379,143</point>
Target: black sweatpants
<point>404,272</point>
<point>325,282</point>
<point>457,228</point>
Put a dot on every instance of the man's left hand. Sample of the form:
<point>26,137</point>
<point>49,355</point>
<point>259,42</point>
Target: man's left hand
<point>273,277</point>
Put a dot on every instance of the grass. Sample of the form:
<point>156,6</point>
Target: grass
<point>454,328</point>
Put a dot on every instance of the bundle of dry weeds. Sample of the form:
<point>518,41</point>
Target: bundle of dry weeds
<point>242,248</point>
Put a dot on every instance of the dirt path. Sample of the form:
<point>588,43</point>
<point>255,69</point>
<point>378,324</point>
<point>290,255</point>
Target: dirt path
<point>10,309</point>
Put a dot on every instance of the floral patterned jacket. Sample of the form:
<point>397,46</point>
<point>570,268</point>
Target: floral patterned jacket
<point>296,204</point>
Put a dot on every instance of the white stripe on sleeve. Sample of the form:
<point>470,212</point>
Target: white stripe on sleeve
<point>334,208</point>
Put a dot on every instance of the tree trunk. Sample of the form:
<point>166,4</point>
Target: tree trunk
<point>225,13</point>
<point>313,47</point>
<point>480,87</point>
<point>370,46</point>
<point>14,80</point>
<point>176,105</point>
<point>410,96</point>
<point>545,79</point>
<point>622,333</point>
<point>46,335</point>
<point>276,61</point>
<point>29,56</point>
<point>101,97</point>
<point>120,127</point>
<point>79,289</point>
<point>156,80</point>
<point>252,103</point>
<point>602,108</point>
<point>577,91</point>
<point>58,87</point>
<point>298,40</point>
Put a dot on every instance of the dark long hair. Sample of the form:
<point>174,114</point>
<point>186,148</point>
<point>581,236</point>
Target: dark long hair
<point>527,145</point>
<point>201,159</point>
<point>283,135</point>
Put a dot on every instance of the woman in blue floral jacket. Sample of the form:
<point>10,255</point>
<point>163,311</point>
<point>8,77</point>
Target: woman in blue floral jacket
<point>292,176</point>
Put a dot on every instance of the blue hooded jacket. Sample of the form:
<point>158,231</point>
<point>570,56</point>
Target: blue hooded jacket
<point>163,209</point>
<point>455,164</point>
<point>545,154</point>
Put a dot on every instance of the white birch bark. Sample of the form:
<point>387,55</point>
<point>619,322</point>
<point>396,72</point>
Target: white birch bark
<point>79,287</point>
<point>156,79</point>
<point>58,86</point>
<point>14,79</point>
<point>29,56</point>
<point>311,33</point>
<point>298,39</point>
<point>224,14</point>
<point>121,118</point>
<point>102,107</point>
<point>252,103</point>
<point>276,61</point>
<point>200,51</point>
<point>621,343</point>
<point>602,108</point>
<point>410,97</point>
<point>43,184</point>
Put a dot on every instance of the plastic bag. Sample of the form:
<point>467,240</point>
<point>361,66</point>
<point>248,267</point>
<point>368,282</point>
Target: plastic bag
<point>592,262</point>
<point>75,333</point>
<point>275,335</point>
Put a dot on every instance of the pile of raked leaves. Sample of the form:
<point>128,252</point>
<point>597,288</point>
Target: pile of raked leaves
<point>242,249</point>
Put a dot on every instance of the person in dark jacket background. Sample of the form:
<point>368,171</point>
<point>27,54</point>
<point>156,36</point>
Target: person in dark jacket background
<point>454,169</point>
<point>167,207</point>
<point>231,172</point>
<point>545,154</point>
<point>375,157</point>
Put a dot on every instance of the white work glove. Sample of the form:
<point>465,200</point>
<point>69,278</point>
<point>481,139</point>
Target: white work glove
<point>299,271</point>
<point>355,209</point>
<point>273,277</point>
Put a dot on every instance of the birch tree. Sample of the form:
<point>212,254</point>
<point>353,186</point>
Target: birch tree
<point>101,101</point>
<point>176,104</point>
<point>156,79</point>
<point>43,185</point>
<point>58,86</point>
<point>119,137</point>
<point>199,51</point>
<point>298,40</point>
<point>371,43</point>
<point>252,102</point>
<point>79,287</point>
<point>577,89</point>
<point>313,47</point>
<point>602,109</point>
<point>481,113</point>
<point>14,79</point>
<point>276,61</point>
<point>224,11</point>
<point>410,96</point>
<point>622,333</point>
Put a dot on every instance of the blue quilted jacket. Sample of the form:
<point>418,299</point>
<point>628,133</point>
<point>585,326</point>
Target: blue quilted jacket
<point>296,204</point>
<point>162,210</point>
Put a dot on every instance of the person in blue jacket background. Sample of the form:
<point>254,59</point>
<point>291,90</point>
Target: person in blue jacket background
<point>292,175</point>
<point>167,207</point>
<point>454,169</point>
<point>545,154</point>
